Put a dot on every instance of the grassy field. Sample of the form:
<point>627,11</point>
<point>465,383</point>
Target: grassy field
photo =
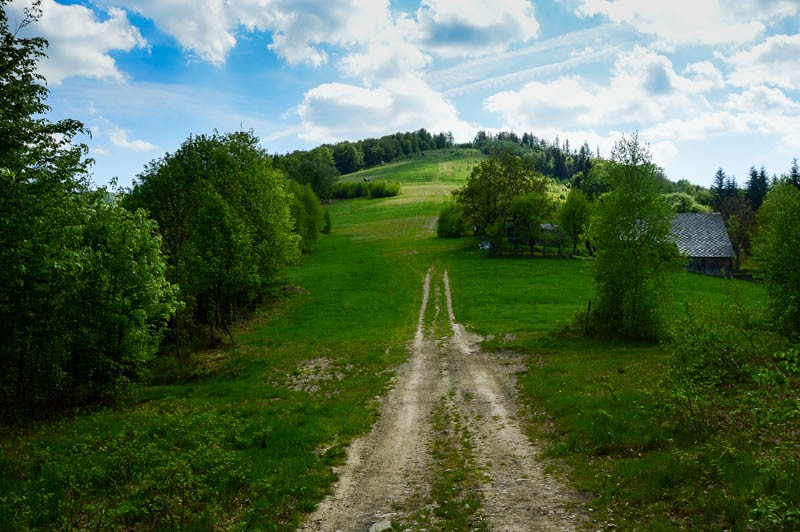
<point>250,443</point>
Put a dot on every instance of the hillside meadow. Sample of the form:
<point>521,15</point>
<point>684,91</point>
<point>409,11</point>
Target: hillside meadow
<point>250,440</point>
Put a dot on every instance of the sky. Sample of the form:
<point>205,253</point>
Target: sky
<point>707,83</point>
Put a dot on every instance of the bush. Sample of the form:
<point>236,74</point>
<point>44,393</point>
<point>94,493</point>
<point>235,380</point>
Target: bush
<point>451,222</point>
<point>308,215</point>
<point>366,189</point>
<point>714,351</point>
<point>326,218</point>
<point>383,189</point>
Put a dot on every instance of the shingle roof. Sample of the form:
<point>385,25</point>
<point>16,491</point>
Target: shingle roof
<point>702,235</point>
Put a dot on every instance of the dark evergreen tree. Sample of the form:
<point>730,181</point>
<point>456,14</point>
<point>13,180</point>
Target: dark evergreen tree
<point>718,189</point>
<point>756,187</point>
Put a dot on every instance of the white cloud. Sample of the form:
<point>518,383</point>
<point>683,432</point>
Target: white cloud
<point>299,28</point>
<point>454,28</point>
<point>663,152</point>
<point>643,88</point>
<point>336,111</point>
<point>697,127</point>
<point>705,75</point>
<point>79,42</point>
<point>679,22</point>
<point>389,55</point>
<point>119,138</point>
<point>199,27</point>
<point>761,110</point>
<point>775,61</point>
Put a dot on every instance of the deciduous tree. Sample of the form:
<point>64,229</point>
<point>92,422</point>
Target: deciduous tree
<point>778,250</point>
<point>636,254</point>
<point>573,217</point>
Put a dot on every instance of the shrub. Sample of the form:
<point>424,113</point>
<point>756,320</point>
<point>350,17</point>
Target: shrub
<point>368,189</point>
<point>308,215</point>
<point>451,222</point>
<point>383,189</point>
<point>326,218</point>
<point>714,350</point>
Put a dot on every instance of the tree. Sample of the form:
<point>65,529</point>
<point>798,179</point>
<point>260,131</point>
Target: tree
<point>636,254</point>
<point>224,213</point>
<point>739,220</point>
<point>756,187</point>
<point>794,174</point>
<point>777,248</point>
<point>683,202</point>
<point>595,184</point>
<point>315,168</point>
<point>450,223</point>
<point>526,213</point>
<point>82,289</point>
<point>492,185</point>
<point>308,215</point>
<point>718,189</point>
<point>348,157</point>
<point>122,298</point>
<point>573,216</point>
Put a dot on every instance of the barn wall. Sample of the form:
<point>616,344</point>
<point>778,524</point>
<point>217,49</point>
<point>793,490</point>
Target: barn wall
<point>718,266</point>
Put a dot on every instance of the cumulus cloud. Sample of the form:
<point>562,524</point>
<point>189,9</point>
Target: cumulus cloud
<point>201,28</point>
<point>680,22</point>
<point>79,42</point>
<point>705,75</point>
<point>775,61</point>
<point>119,138</point>
<point>454,28</point>
<point>298,28</point>
<point>643,88</point>
<point>336,111</point>
<point>762,110</point>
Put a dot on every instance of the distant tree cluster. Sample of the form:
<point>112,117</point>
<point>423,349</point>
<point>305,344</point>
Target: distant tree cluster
<point>366,189</point>
<point>505,201</point>
<point>321,167</point>
<point>552,159</point>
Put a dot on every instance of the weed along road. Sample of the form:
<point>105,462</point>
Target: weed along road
<point>447,450</point>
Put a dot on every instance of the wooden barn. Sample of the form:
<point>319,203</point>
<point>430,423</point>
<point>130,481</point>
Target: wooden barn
<point>704,239</point>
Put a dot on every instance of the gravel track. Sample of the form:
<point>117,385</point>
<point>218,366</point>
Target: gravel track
<point>389,468</point>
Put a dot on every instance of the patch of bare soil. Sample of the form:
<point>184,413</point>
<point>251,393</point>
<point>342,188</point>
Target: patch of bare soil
<point>387,471</point>
<point>309,374</point>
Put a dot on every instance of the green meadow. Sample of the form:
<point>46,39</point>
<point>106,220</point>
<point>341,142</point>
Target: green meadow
<point>249,442</point>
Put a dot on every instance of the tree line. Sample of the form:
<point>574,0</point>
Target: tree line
<point>321,167</point>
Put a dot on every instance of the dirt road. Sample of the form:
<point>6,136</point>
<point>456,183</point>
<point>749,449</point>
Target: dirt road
<point>389,472</point>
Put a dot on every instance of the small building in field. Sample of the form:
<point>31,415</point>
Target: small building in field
<point>704,239</point>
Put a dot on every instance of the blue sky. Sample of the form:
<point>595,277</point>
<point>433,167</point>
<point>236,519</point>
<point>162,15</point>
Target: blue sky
<point>707,83</point>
